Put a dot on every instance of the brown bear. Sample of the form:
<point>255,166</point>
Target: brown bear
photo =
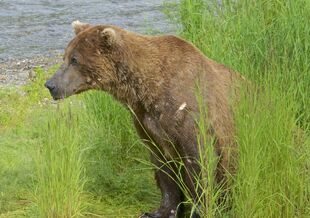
<point>157,77</point>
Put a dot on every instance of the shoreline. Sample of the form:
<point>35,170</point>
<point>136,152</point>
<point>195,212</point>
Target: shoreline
<point>18,72</point>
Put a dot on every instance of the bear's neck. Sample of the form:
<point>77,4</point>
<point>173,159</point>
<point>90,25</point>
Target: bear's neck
<point>140,83</point>
<point>136,88</point>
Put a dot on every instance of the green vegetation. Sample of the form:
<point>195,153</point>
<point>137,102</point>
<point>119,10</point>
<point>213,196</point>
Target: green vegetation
<point>268,42</point>
<point>81,156</point>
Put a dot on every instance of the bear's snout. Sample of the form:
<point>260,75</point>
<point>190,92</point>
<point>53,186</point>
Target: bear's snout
<point>50,85</point>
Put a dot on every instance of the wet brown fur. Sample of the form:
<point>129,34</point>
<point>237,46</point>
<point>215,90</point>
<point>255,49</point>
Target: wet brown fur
<point>154,76</point>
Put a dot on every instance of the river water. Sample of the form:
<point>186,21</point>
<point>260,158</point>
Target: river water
<point>43,27</point>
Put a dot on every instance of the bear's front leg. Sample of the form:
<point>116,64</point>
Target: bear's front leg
<point>171,194</point>
<point>165,174</point>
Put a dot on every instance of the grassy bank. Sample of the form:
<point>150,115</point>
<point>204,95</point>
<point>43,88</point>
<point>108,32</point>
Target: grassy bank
<point>81,156</point>
<point>267,42</point>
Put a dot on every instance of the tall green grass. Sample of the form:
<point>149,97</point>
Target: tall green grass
<point>60,169</point>
<point>79,157</point>
<point>272,179</point>
<point>114,160</point>
<point>268,42</point>
<point>74,158</point>
<point>88,159</point>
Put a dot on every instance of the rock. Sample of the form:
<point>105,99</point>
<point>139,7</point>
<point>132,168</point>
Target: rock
<point>31,74</point>
<point>22,75</point>
<point>2,77</point>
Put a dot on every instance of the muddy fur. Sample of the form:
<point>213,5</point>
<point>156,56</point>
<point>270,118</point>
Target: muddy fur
<point>158,78</point>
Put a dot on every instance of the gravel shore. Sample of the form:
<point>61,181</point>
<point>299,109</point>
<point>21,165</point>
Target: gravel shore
<point>17,72</point>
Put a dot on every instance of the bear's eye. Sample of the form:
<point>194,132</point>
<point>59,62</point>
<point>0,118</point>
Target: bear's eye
<point>74,61</point>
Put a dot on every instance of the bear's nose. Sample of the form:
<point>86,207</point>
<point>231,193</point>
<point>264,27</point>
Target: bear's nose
<point>50,85</point>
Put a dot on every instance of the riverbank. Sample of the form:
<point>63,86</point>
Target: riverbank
<point>18,72</point>
<point>34,33</point>
<point>81,157</point>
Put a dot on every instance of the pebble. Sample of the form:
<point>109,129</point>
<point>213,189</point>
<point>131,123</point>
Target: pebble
<point>31,74</point>
<point>2,77</point>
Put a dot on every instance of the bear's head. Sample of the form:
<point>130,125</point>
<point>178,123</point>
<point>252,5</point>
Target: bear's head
<point>89,61</point>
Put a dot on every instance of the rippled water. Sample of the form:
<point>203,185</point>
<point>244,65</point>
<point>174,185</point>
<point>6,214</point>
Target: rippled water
<point>43,27</point>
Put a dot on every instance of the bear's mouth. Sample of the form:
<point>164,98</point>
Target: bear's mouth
<point>56,98</point>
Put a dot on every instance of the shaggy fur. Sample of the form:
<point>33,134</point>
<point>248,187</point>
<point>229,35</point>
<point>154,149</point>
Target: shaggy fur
<point>158,78</point>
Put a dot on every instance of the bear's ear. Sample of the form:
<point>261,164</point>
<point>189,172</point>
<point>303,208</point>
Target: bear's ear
<point>109,36</point>
<point>79,26</point>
